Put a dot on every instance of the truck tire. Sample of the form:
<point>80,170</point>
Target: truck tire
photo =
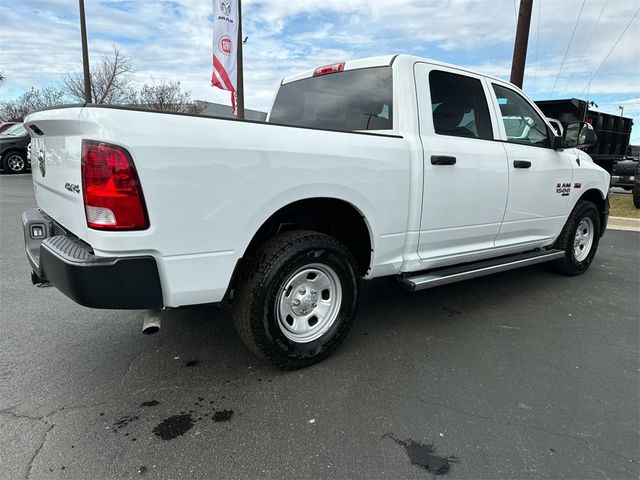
<point>636,195</point>
<point>297,298</point>
<point>579,239</point>
<point>14,162</point>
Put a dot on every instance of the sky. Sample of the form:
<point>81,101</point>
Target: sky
<point>572,43</point>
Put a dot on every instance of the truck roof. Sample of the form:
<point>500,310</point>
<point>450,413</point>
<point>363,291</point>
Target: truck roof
<point>381,61</point>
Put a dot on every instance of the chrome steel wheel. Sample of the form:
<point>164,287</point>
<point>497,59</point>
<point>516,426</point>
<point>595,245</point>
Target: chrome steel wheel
<point>583,240</point>
<point>309,302</point>
<point>15,163</point>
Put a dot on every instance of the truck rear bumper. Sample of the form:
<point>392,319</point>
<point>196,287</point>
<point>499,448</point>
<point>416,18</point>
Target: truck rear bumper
<point>97,282</point>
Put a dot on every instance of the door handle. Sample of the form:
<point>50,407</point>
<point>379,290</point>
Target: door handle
<point>521,164</point>
<point>442,160</point>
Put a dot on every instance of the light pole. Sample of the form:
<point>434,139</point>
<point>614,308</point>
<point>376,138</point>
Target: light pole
<point>85,55</point>
<point>621,107</point>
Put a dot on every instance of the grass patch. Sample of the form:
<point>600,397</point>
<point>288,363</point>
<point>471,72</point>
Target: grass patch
<point>622,206</point>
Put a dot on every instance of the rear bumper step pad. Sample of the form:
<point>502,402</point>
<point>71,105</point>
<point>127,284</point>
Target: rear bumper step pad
<point>98,282</point>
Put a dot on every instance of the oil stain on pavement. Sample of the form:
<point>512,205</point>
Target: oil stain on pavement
<point>424,456</point>
<point>174,426</point>
<point>222,416</point>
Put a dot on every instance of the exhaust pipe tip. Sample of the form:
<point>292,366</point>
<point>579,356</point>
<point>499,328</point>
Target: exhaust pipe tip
<point>151,323</point>
<point>150,330</point>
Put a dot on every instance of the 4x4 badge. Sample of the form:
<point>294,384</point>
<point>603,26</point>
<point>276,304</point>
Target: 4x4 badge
<point>72,187</point>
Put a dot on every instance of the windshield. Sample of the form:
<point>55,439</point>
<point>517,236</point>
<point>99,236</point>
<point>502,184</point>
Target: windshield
<point>346,101</point>
<point>16,130</point>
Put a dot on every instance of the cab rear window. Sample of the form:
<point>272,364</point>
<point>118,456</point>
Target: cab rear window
<point>351,100</point>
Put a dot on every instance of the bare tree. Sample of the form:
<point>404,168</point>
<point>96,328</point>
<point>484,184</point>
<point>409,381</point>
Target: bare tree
<point>111,83</point>
<point>166,96</point>
<point>2,78</point>
<point>33,99</point>
<point>110,80</point>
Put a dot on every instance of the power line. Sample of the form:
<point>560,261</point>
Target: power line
<point>575,67</point>
<point>568,46</point>
<point>610,51</point>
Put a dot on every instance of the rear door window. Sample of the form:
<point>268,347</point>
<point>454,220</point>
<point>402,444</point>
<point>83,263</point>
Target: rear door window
<point>459,106</point>
<point>348,101</point>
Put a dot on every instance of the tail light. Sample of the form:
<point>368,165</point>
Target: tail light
<point>113,197</point>
<point>327,69</point>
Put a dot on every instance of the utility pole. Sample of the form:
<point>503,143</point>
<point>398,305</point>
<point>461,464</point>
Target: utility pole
<point>522,40</point>
<point>85,55</point>
<point>240,73</point>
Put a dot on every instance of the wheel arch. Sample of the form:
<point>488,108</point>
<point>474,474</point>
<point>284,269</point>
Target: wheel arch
<point>333,216</point>
<point>601,201</point>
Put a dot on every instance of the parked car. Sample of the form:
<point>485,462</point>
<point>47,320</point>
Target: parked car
<point>624,174</point>
<point>390,166</point>
<point>13,149</point>
<point>5,125</point>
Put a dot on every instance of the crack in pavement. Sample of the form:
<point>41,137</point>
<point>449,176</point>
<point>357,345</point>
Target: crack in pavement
<point>70,408</point>
<point>9,411</point>
<point>37,452</point>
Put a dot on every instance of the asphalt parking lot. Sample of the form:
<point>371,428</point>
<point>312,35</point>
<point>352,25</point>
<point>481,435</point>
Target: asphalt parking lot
<point>525,374</point>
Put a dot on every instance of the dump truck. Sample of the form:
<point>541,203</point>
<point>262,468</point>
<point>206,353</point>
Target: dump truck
<point>613,131</point>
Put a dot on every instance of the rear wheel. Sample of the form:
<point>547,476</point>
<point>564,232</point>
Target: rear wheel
<point>14,162</point>
<point>636,195</point>
<point>297,299</point>
<point>579,239</point>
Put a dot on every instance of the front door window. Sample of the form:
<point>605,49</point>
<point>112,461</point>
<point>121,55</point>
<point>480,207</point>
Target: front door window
<point>521,122</point>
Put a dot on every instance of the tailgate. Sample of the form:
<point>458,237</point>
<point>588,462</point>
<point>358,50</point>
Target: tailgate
<point>56,148</point>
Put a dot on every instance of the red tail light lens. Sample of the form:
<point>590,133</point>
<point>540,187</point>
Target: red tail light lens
<point>113,197</point>
<point>327,69</point>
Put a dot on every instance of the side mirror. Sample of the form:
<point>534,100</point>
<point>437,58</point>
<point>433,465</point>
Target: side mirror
<point>577,135</point>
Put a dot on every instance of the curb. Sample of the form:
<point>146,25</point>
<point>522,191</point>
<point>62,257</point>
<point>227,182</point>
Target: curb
<point>623,223</point>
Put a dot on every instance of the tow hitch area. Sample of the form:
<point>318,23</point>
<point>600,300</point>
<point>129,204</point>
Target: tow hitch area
<point>39,282</point>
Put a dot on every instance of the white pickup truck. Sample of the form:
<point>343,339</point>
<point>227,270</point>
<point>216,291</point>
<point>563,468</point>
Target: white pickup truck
<point>389,166</point>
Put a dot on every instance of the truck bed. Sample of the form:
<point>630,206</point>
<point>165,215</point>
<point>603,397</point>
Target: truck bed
<point>210,182</point>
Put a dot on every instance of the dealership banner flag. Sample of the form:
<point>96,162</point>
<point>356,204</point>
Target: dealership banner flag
<point>225,46</point>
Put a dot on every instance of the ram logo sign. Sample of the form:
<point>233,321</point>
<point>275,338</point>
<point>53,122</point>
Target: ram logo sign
<point>225,7</point>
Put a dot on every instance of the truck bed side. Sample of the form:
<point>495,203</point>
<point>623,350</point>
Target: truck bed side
<point>209,184</point>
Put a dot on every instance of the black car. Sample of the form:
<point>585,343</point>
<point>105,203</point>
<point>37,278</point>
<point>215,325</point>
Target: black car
<point>624,174</point>
<point>13,149</point>
<point>6,125</point>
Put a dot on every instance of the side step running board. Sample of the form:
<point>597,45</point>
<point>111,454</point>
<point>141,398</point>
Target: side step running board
<point>443,276</point>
